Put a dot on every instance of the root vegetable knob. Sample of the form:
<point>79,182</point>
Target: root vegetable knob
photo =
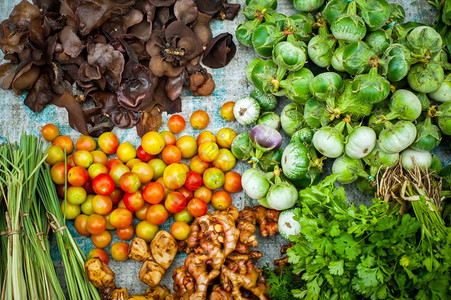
<point>98,273</point>
<point>139,250</point>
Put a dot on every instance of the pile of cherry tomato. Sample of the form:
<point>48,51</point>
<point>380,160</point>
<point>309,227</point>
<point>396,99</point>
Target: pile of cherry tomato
<point>110,183</point>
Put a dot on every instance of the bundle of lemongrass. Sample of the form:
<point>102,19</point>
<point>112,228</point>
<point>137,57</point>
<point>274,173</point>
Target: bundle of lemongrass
<point>30,205</point>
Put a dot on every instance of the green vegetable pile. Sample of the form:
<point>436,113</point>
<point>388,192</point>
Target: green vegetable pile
<point>345,252</point>
<point>366,90</point>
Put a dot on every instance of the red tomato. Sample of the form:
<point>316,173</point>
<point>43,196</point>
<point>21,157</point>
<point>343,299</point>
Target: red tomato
<point>88,187</point>
<point>119,251</point>
<point>95,224</point>
<point>185,192</point>
<point>121,218</point>
<point>232,182</point>
<point>103,184</point>
<point>156,214</point>
<point>221,200</point>
<point>49,132</point>
<point>125,233</point>
<point>153,193</point>
<point>129,182</point>
<point>176,123</point>
<point>108,142</point>
<point>143,155</point>
<point>133,201</point>
<point>193,181</point>
<point>80,225</point>
<point>199,119</point>
<point>171,154</point>
<point>113,162</point>
<point>77,176</point>
<point>175,202</point>
<point>100,253</point>
<point>180,230</point>
<point>197,207</point>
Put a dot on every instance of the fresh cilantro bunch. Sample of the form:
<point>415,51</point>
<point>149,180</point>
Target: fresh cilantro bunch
<point>344,252</point>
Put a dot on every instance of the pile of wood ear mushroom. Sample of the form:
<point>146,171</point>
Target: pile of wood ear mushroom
<point>219,265</point>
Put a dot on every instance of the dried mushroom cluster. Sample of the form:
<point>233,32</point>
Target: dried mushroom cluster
<point>218,266</point>
<point>130,58</point>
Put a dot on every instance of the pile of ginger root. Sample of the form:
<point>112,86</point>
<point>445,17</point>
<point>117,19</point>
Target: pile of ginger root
<point>220,262</point>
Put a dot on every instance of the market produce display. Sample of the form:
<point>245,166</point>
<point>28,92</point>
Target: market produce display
<point>342,87</point>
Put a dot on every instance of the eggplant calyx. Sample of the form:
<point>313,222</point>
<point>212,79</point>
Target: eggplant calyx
<point>260,14</point>
<point>432,111</point>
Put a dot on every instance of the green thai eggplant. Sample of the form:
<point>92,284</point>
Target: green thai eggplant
<point>443,93</point>
<point>348,103</point>
<point>329,141</point>
<point>267,101</point>
<point>307,5</point>
<point>426,77</point>
<point>242,147</point>
<point>326,87</point>
<point>276,18</point>
<point>377,159</point>
<point>245,31</point>
<point>372,87</point>
<point>300,26</point>
<point>379,40</point>
<point>303,135</point>
<point>356,57</point>
<point>396,62</point>
<point>291,118</point>
<point>333,10</point>
<point>397,13</point>
<point>349,169</point>
<point>266,76</point>
<point>337,57</point>
<point>296,86</point>
<point>270,119</point>
<point>424,42</point>
<point>444,117</point>
<point>289,55</point>
<point>265,37</point>
<point>404,105</point>
<point>349,27</point>
<point>258,8</point>
<point>250,66</point>
<point>428,136</point>
<point>321,48</point>
<point>375,13</point>
<point>397,137</point>
<point>315,113</point>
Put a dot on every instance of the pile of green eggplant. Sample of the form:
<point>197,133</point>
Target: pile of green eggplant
<point>365,89</point>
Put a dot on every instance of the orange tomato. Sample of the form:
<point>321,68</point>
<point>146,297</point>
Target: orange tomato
<point>205,136</point>
<point>77,176</point>
<point>102,239</point>
<point>64,142</point>
<point>141,213</point>
<point>176,123</point>
<point>232,182</point>
<point>221,200</point>
<point>225,137</point>
<point>144,171</point>
<point>119,251</point>
<point>131,163</point>
<point>58,172</point>
<point>203,193</point>
<point>83,158</point>
<point>108,142</point>
<point>85,142</point>
<point>208,151</point>
<point>125,233</point>
<point>80,224</point>
<point>180,230</point>
<point>199,119</point>
<point>99,157</point>
<point>169,137</point>
<point>102,205</point>
<point>174,176</point>
<point>49,132</point>
<point>99,253</point>
<point>171,154</point>
<point>198,165</point>
<point>54,155</point>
